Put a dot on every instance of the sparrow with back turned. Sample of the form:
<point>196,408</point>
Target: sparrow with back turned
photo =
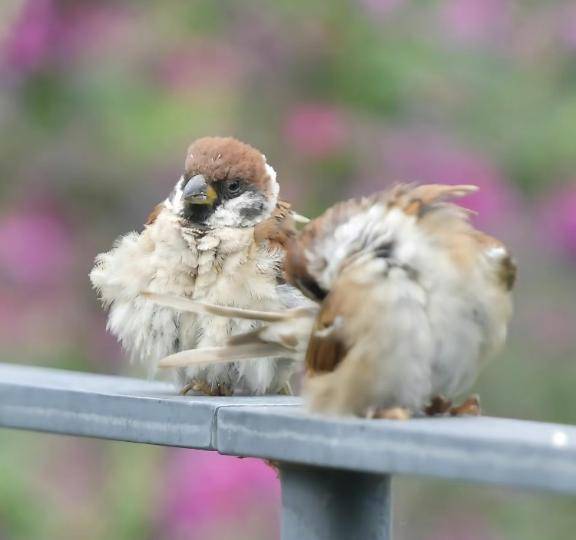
<point>411,299</point>
<point>220,237</point>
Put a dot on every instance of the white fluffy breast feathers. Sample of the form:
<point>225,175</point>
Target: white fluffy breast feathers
<point>221,266</point>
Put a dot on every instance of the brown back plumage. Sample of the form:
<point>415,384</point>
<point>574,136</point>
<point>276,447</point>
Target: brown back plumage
<point>327,348</point>
<point>279,229</point>
<point>416,200</point>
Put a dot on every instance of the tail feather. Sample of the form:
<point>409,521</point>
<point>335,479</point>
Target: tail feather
<point>299,218</point>
<point>285,333</point>
<point>255,336</point>
<point>415,199</point>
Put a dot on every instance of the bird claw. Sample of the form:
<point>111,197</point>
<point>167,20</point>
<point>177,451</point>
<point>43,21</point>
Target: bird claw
<point>390,413</point>
<point>222,390</point>
<point>470,407</point>
<point>439,405</point>
<point>202,387</point>
<point>286,390</point>
<point>188,387</point>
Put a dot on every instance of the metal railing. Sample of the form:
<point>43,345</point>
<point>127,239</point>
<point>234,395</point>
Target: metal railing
<point>335,473</point>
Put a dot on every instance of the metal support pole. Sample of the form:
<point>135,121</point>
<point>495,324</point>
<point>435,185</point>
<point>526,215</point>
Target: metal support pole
<point>329,504</point>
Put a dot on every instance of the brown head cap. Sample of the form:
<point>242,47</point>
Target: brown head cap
<point>222,158</point>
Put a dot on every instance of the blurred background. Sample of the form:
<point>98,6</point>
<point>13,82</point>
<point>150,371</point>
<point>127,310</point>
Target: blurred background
<point>98,101</point>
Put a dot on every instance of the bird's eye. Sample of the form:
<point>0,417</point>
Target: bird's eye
<point>234,187</point>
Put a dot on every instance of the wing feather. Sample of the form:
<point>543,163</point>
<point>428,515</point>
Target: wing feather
<point>503,264</point>
<point>181,303</point>
<point>279,229</point>
<point>327,347</point>
<point>222,355</point>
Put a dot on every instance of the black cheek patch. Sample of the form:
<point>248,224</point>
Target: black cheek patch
<point>384,251</point>
<point>254,206</point>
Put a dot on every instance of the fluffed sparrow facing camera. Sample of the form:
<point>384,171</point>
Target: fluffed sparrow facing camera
<point>220,237</point>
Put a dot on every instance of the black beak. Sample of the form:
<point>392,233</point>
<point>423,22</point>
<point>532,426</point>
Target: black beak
<point>197,191</point>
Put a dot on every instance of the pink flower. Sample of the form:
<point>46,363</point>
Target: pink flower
<point>37,257</point>
<point>315,130</point>
<point>476,20</point>
<point>558,215</point>
<point>205,490</point>
<point>92,26</point>
<point>567,17</point>
<point>47,31</point>
<point>425,157</point>
<point>35,248</point>
<point>218,64</point>
<point>29,42</point>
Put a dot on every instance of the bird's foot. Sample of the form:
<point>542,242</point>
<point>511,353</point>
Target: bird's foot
<point>223,390</point>
<point>390,413</point>
<point>439,405</point>
<point>202,387</point>
<point>188,387</point>
<point>470,407</point>
<point>286,390</point>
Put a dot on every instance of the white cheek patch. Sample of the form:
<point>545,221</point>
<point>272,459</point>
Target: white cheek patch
<point>230,213</point>
<point>236,212</point>
<point>274,185</point>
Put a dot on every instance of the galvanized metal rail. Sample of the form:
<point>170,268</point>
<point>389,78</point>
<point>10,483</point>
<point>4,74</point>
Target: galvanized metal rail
<point>335,473</point>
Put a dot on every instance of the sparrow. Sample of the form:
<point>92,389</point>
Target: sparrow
<point>410,303</point>
<point>220,236</point>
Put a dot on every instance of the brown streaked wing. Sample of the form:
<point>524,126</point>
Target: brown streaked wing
<point>279,228</point>
<point>506,267</point>
<point>508,272</point>
<point>326,348</point>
